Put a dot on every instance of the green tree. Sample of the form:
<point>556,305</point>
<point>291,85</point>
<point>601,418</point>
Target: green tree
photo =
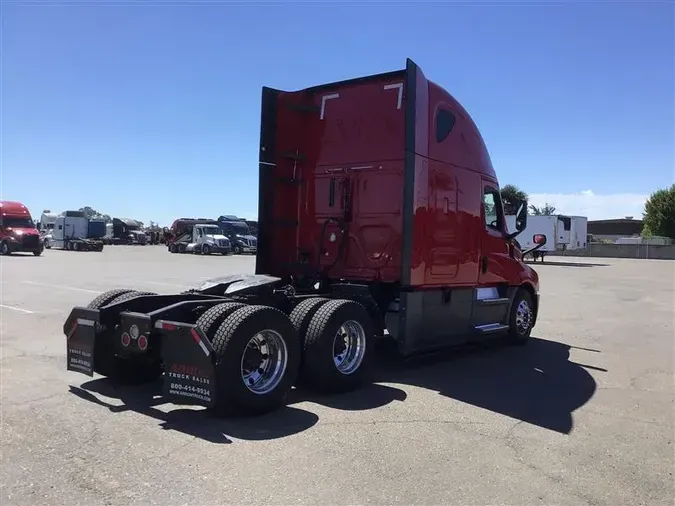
<point>547,210</point>
<point>659,214</point>
<point>511,194</point>
<point>90,212</point>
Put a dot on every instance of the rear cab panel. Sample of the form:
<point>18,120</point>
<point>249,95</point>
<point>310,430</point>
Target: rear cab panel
<point>332,153</point>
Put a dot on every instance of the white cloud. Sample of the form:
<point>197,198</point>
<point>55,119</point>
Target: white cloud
<point>594,206</point>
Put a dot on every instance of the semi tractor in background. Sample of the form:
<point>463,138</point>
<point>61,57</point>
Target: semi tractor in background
<point>203,238</point>
<point>239,233</point>
<point>73,231</point>
<point>393,230</point>
<point>563,233</point>
<point>127,231</point>
<point>18,232</point>
<point>46,226</point>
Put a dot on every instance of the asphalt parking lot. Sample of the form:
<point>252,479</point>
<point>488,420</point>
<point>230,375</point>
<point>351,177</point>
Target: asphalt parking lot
<point>582,415</point>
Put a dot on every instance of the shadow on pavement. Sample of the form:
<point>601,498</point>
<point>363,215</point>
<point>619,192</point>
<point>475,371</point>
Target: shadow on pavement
<point>537,384</point>
<point>196,422</point>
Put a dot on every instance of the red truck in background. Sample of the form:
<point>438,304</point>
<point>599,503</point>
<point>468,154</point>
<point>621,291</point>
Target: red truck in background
<point>17,230</point>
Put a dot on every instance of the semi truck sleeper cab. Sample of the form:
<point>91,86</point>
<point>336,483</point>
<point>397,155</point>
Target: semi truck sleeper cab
<point>379,217</point>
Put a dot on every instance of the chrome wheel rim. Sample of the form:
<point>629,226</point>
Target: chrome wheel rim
<point>264,362</point>
<point>523,317</point>
<point>349,347</point>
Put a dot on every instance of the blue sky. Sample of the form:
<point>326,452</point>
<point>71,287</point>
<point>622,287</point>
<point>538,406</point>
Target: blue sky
<point>575,100</point>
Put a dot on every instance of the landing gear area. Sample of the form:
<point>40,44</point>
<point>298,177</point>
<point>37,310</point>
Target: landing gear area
<point>83,245</point>
<point>237,345</point>
<point>538,254</point>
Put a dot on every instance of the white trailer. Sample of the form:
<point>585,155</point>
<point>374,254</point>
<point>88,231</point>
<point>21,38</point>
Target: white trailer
<point>563,233</point>
<point>578,233</point>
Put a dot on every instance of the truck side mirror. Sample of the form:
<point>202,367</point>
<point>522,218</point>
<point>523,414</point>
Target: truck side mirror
<point>539,239</point>
<point>521,218</point>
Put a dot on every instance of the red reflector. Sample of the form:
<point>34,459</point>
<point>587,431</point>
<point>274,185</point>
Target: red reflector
<point>126,339</point>
<point>195,336</point>
<point>143,343</point>
<point>168,326</point>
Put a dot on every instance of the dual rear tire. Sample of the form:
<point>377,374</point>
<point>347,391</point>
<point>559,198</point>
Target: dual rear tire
<point>261,352</point>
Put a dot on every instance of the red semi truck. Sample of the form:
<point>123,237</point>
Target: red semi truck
<point>380,217</point>
<point>17,230</point>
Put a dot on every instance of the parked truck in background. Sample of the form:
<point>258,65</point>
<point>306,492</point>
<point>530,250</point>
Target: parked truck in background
<point>17,230</point>
<point>563,233</point>
<point>203,238</point>
<point>393,229</point>
<point>46,226</point>
<point>239,233</point>
<point>73,231</point>
<point>128,231</point>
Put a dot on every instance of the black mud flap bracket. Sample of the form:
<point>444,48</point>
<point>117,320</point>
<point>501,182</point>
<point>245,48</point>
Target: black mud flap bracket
<point>80,331</point>
<point>189,363</point>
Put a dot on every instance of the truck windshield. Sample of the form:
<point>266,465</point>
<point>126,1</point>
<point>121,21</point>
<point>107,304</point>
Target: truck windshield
<point>241,229</point>
<point>12,222</point>
<point>214,230</point>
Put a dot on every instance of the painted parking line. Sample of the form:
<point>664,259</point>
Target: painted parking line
<point>62,287</point>
<point>18,309</point>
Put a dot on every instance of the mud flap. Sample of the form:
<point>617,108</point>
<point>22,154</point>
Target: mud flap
<point>188,358</point>
<point>80,331</point>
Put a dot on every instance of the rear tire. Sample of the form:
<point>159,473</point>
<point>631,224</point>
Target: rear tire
<point>135,370</point>
<point>37,253</point>
<point>338,347</point>
<point>277,355</point>
<point>521,318</point>
<point>210,321</point>
<point>303,313</point>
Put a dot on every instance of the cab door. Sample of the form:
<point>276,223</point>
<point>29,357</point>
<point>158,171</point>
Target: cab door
<point>494,256</point>
<point>490,301</point>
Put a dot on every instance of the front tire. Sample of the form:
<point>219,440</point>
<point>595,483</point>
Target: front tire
<point>258,359</point>
<point>206,250</point>
<point>338,347</point>
<point>521,318</point>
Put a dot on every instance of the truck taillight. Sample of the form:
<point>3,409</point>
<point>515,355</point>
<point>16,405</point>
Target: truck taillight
<point>126,339</point>
<point>142,343</point>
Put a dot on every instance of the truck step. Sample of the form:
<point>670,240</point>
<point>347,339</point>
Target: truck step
<point>489,328</point>
<point>494,302</point>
